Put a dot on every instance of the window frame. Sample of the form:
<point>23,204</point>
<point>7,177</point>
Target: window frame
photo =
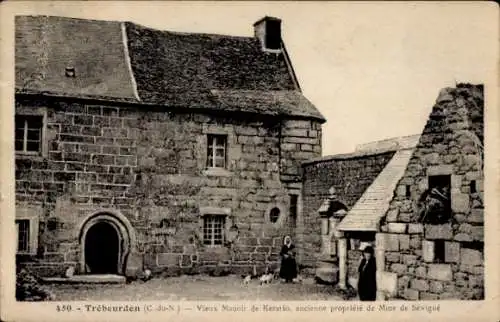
<point>212,145</point>
<point>232,151</point>
<point>25,132</point>
<point>212,220</point>
<point>25,249</point>
<point>32,216</point>
<point>26,112</point>
<point>205,213</point>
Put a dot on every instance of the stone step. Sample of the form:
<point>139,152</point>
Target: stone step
<point>87,279</point>
<point>327,274</point>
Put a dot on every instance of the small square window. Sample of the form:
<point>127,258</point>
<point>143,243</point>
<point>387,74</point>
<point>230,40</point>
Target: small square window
<point>408,191</point>
<point>28,133</point>
<point>213,229</point>
<point>216,151</point>
<point>23,235</point>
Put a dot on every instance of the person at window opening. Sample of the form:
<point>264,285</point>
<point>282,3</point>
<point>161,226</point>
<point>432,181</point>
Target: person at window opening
<point>367,282</point>
<point>288,270</point>
<point>434,205</point>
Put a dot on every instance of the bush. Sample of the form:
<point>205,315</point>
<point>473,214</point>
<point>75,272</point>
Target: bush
<point>28,288</point>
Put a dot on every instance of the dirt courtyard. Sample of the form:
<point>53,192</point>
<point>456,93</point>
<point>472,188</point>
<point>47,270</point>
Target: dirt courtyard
<point>195,288</point>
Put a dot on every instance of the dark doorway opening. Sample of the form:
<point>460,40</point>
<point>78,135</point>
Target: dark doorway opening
<point>102,248</point>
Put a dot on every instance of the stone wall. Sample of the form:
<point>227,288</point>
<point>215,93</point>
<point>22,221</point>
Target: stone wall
<point>150,166</point>
<point>445,260</point>
<point>350,175</point>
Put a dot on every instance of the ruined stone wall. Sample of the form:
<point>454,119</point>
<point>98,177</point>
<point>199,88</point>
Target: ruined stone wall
<point>441,261</point>
<point>350,176</point>
<point>150,166</point>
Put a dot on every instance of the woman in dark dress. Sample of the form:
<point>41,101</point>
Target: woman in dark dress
<point>288,270</point>
<point>367,283</point>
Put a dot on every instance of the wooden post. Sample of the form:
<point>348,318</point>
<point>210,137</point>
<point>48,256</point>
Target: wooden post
<point>342,254</point>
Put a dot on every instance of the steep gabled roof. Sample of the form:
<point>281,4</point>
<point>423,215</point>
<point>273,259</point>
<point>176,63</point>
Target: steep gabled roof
<point>126,61</point>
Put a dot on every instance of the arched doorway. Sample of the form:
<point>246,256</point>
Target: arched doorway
<point>106,239</point>
<point>102,249</point>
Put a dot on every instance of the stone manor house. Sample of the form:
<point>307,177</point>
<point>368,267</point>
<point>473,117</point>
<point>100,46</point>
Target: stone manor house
<point>138,148</point>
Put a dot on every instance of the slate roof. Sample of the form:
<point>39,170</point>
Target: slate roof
<point>374,203</point>
<point>375,192</point>
<point>168,62</point>
<point>45,46</point>
<point>124,61</point>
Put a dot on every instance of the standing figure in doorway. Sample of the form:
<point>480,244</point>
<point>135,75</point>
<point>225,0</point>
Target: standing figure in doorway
<point>367,282</point>
<point>288,270</point>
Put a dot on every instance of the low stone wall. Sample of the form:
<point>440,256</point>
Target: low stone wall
<point>349,175</point>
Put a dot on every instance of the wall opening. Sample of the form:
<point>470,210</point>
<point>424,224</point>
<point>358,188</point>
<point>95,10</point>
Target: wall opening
<point>273,34</point>
<point>472,186</point>
<point>108,237</point>
<point>439,251</point>
<point>102,249</point>
<point>274,215</point>
<point>408,191</point>
<point>293,210</point>
<point>435,203</point>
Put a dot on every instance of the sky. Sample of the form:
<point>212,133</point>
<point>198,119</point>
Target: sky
<point>374,70</point>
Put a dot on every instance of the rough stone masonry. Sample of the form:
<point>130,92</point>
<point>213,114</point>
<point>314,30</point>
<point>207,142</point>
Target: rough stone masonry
<point>151,167</point>
<point>441,260</point>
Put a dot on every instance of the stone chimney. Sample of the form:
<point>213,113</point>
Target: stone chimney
<point>268,31</point>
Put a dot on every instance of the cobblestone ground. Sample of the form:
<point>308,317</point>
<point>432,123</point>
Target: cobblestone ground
<point>195,288</point>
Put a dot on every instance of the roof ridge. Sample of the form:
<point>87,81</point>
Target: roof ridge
<point>182,33</point>
<point>68,18</point>
<point>187,33</point>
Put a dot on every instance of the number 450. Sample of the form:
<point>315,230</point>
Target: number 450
<point>64,308</point>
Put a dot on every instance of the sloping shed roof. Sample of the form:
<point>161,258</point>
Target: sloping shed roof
<point>147,66</point>
<point>374,203</point>
<point>398,143</point>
